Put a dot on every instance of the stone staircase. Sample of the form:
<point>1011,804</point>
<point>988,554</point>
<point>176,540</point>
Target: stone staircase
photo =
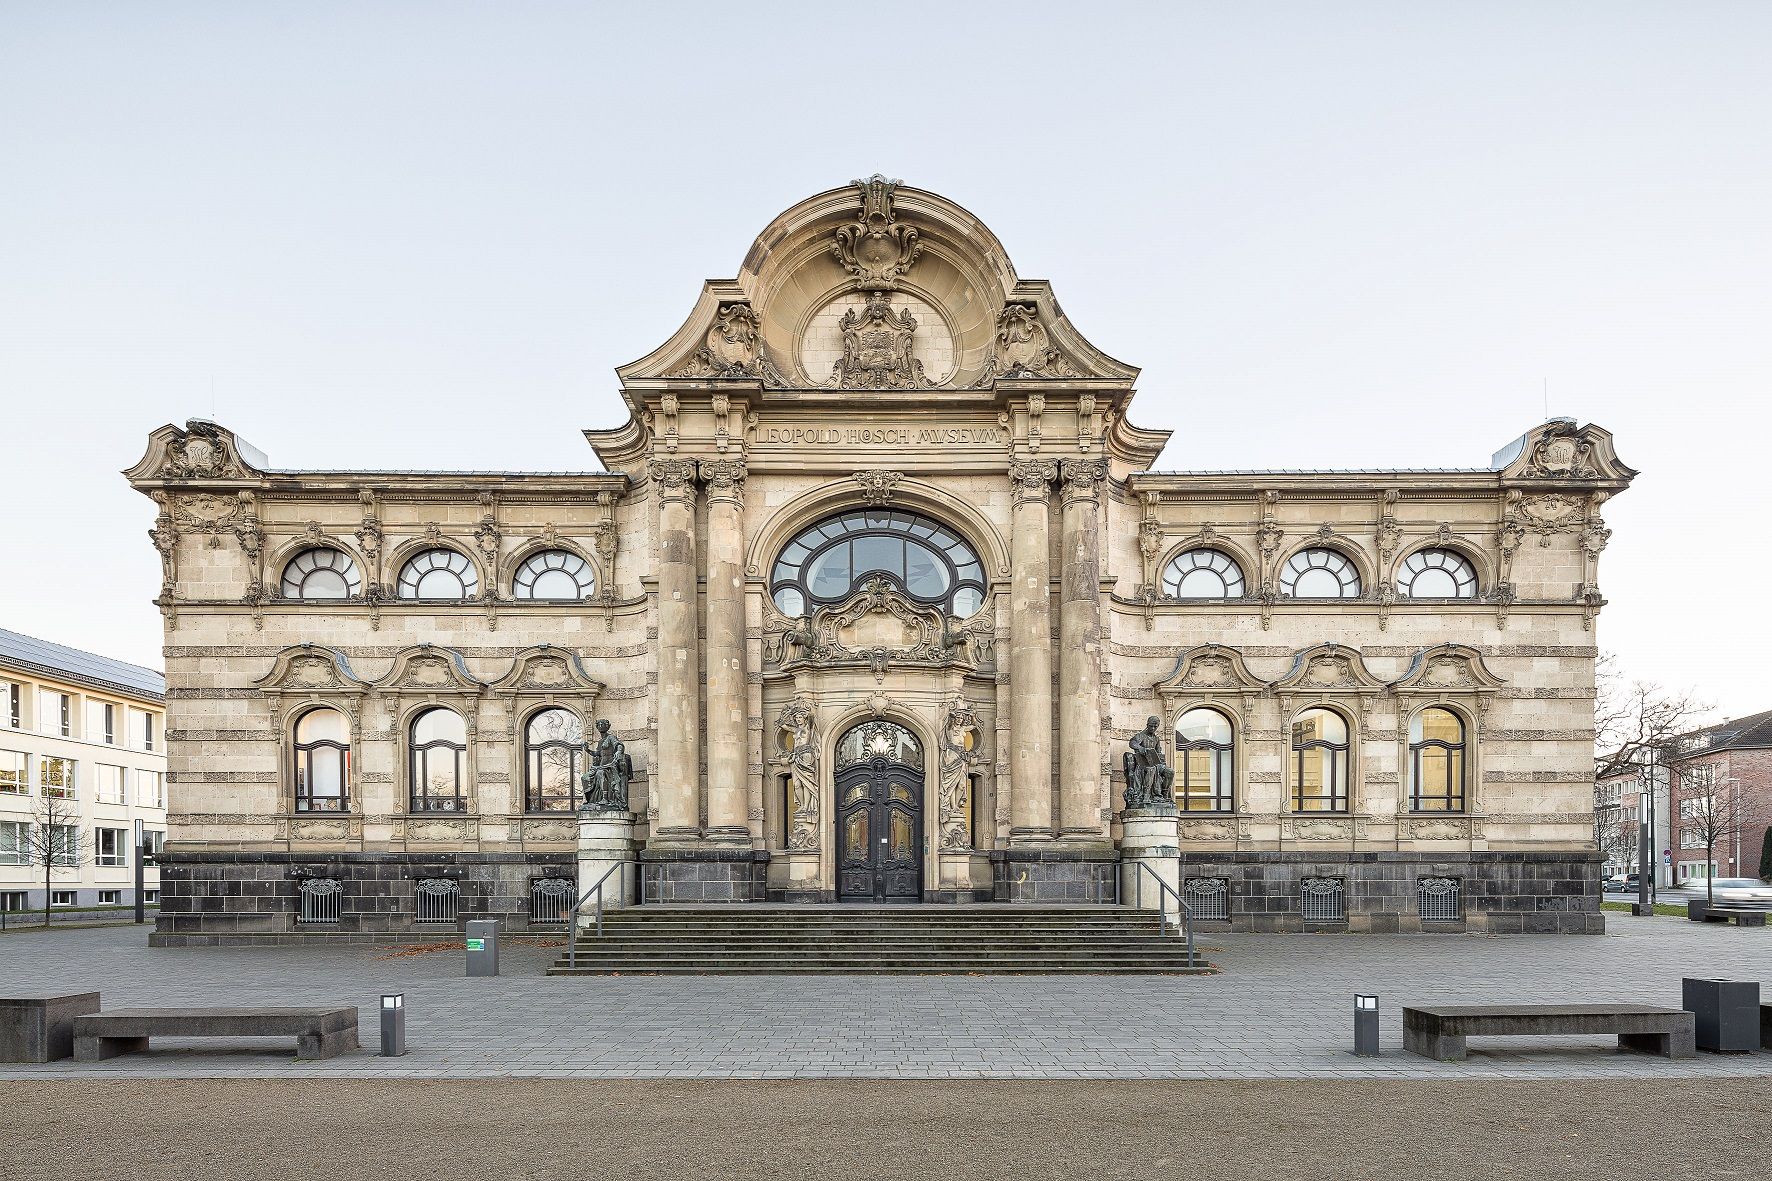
<point>978,938</point>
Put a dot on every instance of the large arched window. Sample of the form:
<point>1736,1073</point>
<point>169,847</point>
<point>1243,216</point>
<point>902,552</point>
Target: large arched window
<point>1436,761</point>
<point>554,574</point>
<point>879,740</point>
<point>1437,574</point>
<point>922,557</point>
<point>322,761</point>
<point>437,755</point>
<point>553,760</point>
<point>439,574</point>
<point>1319,761</point>
<point>1204,759</point>
<point>1319,574</point>
<point>1203,574</point>
<point>322,573</point>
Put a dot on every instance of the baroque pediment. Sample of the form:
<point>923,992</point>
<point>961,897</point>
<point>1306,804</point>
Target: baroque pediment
<point>311,668</point>
<point>878,627</point>
<point>1562,450</point>
<point>1208,670</point>
<point>548,668</point>
<point>429,668</point>
<point>199,451</point>
<point>1447,668</point>
<point>1328,668</point>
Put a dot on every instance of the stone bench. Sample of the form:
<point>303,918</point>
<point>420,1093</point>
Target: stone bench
<point>318,1033</point>
<point>39,1026</point>
<point>1744,916</point>
<point>1438,1031</point>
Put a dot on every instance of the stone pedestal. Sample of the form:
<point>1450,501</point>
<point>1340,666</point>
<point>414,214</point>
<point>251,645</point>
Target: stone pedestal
<point>1150,837</point>
<point>606,839</point>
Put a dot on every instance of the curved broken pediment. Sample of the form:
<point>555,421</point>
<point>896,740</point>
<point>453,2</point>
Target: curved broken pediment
<point>311,668</point>
<point>1328,668</point>
<point>1447,668</point>
<point>1210,668</point>
<point>547,668</point>
<point>200,450</point>
<point>429,668</point>
<point>1562,450</point>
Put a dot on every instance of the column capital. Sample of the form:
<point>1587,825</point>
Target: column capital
<point>675,478</point>
<point>724,478</point>
<point>1033,478</point>
<point>1083,478</point>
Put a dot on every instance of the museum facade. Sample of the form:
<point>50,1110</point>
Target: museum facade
<point>876,588</point>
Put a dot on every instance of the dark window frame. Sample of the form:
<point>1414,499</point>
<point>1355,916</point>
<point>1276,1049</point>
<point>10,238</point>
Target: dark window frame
<point>418,766</point>
<point>1221,797</point>
<point>827,533</point>
<point>1453,794</point>
<point>1338,793</point>
<point>302,767</point>
<point>535,796</point>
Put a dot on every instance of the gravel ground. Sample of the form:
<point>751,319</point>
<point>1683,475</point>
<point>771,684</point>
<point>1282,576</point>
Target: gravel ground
<point>983,1130</point>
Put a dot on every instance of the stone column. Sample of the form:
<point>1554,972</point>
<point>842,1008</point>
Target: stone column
<point>1079,651</point>
<point>678,754</point>
<point>728,799</point>
<point>1030,653</point>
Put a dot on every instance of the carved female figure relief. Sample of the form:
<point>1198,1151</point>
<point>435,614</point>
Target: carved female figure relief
<point>799,751</point>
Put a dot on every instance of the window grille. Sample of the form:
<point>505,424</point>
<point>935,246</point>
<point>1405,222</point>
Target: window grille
<point>319,900</point>
<point>1323,900</point>
<point>548,900</point>
<point>1209,898</point>
<point>437,899</point>
<point>1436,900</point>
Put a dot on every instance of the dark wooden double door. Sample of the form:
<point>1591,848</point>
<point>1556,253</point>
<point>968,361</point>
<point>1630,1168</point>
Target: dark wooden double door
<point>879,832</point>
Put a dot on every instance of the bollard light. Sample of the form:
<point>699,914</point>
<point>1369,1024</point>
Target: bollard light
<point>1365,1025</point>
<point>393,1025</point>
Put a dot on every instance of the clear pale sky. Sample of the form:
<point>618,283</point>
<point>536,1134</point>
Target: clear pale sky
<point>405,235</point>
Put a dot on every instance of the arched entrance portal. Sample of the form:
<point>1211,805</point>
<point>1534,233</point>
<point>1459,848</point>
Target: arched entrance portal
<point>879,782</point>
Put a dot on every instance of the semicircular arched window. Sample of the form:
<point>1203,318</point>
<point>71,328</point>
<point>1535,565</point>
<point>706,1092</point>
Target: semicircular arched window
<point>879,740</point>
<point>1437,574</point>
<point>322,757</point>
<point>1204,757</point>
<point>437,747</point>
<point>438,574</point>
<point>1319,573</point>
<point>1203,574</point>
<point>554,574</point>
<point>553,760</point>
<point>920,556</point>
<point>321,573</point>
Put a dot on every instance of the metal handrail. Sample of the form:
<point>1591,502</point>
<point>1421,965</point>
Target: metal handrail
<point>571,914</point>
<point>1184,914</point>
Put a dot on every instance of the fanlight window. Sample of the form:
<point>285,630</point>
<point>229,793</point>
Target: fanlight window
<point>1319,761</point>
<point>1204,760</point>
<point>554,760</point>
<point>439,574</point>
<point>1436,761</point>
<point>322,761</point>
<point>1437,574</point>
<point>554,574</point>
<point>1319,574</point>
<point>879,740</point>
<point>437,753</point>
<point>321,574</point>
<point>920,556</point>
<point>1203,574</point>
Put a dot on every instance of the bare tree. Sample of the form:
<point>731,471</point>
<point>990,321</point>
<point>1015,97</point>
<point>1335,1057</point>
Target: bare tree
<point>1637,722</point>
<point>52,842</point>
<point>1714,810</point>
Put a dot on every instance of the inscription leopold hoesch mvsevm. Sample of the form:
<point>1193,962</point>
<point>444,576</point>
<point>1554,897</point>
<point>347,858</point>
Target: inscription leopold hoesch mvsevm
<point>907,437</point>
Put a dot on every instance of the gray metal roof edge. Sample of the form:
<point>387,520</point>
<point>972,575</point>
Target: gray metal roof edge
<point>139,690</point>
<point>364,472</point>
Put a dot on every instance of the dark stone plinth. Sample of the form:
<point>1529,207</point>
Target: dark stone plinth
<point>248,897</point>
<point>1727,1013</point>
<point>1439,1031</point>
<point>318,1033</point>
<point>703,875</point>
<point>1055,874</point>
<point>1499,892</point>
<point>39,1027</point>
<point>1766,1025</point>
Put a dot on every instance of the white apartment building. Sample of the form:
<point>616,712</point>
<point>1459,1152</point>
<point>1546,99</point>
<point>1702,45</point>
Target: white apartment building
<point>83,744</point>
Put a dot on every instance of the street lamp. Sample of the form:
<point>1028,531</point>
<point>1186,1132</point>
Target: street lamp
<point>1365,1025</point>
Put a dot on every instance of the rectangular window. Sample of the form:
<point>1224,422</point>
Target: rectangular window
<point>110,898</point>
<point>15,705</point>
<point>151,897</point>
<point>150,789</point>
<point>54,713</point>
<point>147,731</point>
<point>15,773</point>
<point>14,842</point>
<point>64,844</point>
<point>109,784</point>
<point>141,729</point>
<point>63,898</point>
<point>154,841</point>
<point>110,722</point>
<point>56,776</point>
<point>109,847</point>
<point>12,900</point>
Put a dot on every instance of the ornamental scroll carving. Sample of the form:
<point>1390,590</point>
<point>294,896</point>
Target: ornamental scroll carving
<point>674,477</point>
<point>733,348</point>
<point>201,453</point>
<point>878,484</point>
<point>959,753</point>
<point>876,249</point>
<point>1083,478</point>
<point>877,349</point>
<point>1033,478</point>
<point>724,478</point>
<point>799,753</point>
<point>877,628</point>
<point>1559,452</point>
<point>1024,350</point>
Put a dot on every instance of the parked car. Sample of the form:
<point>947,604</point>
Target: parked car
<point>1737,891</point>
<point>1627,884</point>
<point>1613,884</point>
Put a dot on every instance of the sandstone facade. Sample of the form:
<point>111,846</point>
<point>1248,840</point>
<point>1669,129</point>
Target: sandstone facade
<point>877,360</point>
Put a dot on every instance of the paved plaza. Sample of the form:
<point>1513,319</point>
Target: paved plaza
<point>1280,1008</point>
